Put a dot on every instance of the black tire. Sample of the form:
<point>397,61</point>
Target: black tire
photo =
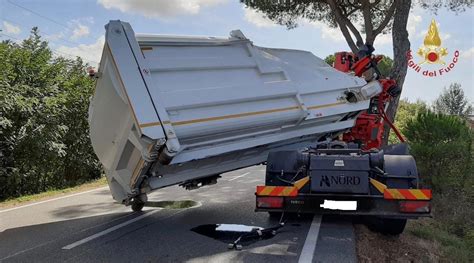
<point>137,205</point>
<point>275,215</point>
<point>388,226</point>
<point>398,163</point>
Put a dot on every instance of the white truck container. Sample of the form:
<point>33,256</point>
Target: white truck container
<point>177,109</point>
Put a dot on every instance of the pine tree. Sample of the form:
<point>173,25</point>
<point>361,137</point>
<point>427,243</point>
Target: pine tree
<point>453,102</point>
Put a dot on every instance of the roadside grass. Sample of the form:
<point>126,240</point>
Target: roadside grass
<point>453,248</point>
<point>53,193</point>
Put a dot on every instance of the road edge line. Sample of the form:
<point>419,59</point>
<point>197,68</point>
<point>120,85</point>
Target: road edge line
<point>309,246</point>
<point>108,230</point>
<point>53,199</point>
<point>239,176</point>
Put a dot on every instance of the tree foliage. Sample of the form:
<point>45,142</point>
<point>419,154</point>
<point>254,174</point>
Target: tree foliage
<point>44,142</point>
<point>407,111</point>
<point>330,60</point>
<point>453,101</point>
<point>441,142</point>
<point>443,148</point>
<point>353,17</point>
<point>375,15</point>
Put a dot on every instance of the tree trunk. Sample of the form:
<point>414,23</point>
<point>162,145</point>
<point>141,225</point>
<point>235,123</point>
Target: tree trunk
<point>342,25</point>
<point>401,46</point>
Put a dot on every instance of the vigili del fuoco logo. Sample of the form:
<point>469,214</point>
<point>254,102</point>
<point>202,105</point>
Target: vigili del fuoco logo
<point>433,55</point>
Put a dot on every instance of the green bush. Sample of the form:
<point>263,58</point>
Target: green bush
<point>443,148</point>
<point>406,111</point>
<point>44,142</point>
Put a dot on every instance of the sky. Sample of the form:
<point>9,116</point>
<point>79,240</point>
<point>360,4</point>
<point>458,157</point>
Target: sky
<point>76,28</point>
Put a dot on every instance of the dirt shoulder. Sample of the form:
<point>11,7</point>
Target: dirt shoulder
<point>28,199</point>
<point>375,247</point>
<point>424,240</point>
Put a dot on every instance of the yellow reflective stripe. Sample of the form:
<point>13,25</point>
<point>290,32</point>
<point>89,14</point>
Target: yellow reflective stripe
<point>326,105</point>
<point>380,186</point>
<point>396,194</point>
<point>286,191</point>
<point>267,190</point>
<point>418,194</point>
<point>301,182</point>
<point>151,124</point>
<point>240,115</point>
<point>234,116</point>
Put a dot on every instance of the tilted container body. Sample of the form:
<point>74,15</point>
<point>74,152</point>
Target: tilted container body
<point>169,109</point>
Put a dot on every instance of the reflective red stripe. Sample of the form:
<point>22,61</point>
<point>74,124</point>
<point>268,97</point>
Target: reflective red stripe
<point>407,194</point>
<point>427,192</point>
<point>276,191</point>
<point>263,190</point>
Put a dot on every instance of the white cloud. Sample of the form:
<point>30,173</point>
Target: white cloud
<point>88,19</point>
<point>327,32</point>
<point>54,37</point>
<point>445,36</point>
<point>383,39</point>
<point>467,54</point>
<point>412,24</point>
<point>89,53</point>
<point>11,29</point>
<point>80,31</point>
<point>159,8</point>
<point>257,18</point>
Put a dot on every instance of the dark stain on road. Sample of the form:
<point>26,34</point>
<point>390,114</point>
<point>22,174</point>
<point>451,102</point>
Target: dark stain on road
<point>181,204</point>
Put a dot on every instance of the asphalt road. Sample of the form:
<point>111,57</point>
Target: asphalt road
<point>90,227</point>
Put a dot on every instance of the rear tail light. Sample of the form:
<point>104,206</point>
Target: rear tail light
<point>415,206</point>
<point>269,202</point>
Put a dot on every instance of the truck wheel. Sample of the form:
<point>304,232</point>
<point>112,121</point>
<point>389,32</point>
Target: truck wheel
<point>137,205</point>
<point>275,215</point>
<point>388,226</point>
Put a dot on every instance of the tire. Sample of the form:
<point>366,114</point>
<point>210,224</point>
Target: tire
<point>275,215</point>
<point>388,226</point>
<point>402,165</point>
<point>137,205</point>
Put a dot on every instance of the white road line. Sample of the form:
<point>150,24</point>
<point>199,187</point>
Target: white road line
<point>105,232</point>
<point>54,199</point>
<point>239,176</point>
<point>309,246</point>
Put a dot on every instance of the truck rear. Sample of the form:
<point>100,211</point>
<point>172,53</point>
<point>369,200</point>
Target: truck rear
<point>381,181</point>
